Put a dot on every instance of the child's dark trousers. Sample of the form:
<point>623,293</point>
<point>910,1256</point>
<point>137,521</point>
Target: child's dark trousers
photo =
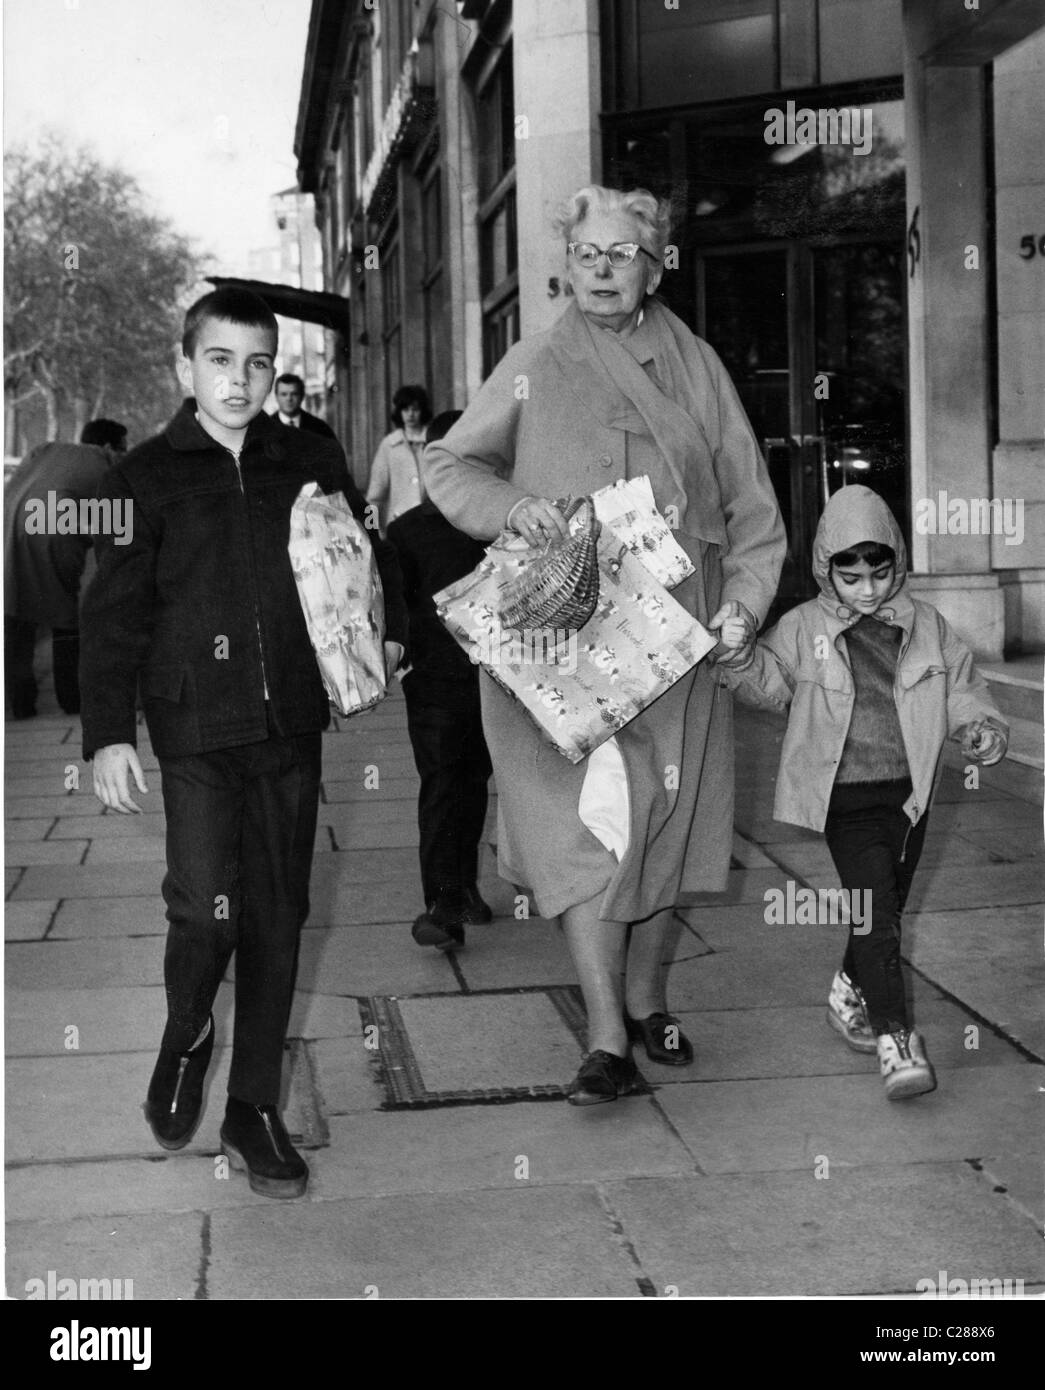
<point>876,848</point>
<point>446,733</point>
<point>241,826</point>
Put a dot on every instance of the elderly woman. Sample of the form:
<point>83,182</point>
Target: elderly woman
<point>395,483</point>
<point>617,388</point>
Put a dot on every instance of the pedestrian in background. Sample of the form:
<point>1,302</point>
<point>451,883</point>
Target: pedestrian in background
<point>445,722</point>
<point>43,571</point>
<point>396,482</point>
<point>290,392</point>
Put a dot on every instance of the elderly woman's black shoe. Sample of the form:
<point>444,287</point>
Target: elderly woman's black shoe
<point>670,1049</point>
<point>175,1096</point>
<point>603,1076</point>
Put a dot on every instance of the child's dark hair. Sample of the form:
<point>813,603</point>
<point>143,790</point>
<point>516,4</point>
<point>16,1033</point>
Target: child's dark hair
<point>442,424</point>
<point>873,552</point>
<point>109,434</point>
<point>410,395</point>
<point>232,305</point>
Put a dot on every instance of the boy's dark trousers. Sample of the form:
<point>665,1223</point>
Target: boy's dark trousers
<point>446,732</point>
<point>241,825</point>
<point>19,650</point>
<point>876,848</point>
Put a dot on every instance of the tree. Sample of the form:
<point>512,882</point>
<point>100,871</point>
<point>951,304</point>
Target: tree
<point>93,291</point>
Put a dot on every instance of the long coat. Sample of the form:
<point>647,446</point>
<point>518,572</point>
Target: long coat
<point>42,572</point>
<point>540,425</point>
<point>395,478</point>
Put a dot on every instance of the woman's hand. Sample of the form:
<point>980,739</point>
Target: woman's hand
<point>538,521</point>
<point>984,741</point>
<point>393,656</point>
<point>737,630</point>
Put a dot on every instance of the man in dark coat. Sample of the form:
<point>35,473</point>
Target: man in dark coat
<point>47,539</point>
<point>290,392</point>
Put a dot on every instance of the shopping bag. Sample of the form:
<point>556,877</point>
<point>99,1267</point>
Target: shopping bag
<point>628,509</point>
<point>340,593</point>
<point>579,686</point>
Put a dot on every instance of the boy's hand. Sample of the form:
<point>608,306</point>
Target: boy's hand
<point>111,766</point>
<point>737,631</point>
<point>985,742</point>
<point>393,656</point>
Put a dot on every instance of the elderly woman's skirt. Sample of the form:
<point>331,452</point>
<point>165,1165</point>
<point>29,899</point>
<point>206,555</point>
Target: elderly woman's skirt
<point>678,756</point>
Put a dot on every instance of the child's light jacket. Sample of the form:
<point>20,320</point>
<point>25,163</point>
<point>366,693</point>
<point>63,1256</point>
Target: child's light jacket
<point>802,666</point>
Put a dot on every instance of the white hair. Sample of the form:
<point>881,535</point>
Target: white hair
<point>651,214</point>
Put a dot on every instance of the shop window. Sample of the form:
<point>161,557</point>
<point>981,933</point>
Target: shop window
<point>498,241</point>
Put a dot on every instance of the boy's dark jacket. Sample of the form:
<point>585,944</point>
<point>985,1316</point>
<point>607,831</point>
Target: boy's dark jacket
<point>178,609</point>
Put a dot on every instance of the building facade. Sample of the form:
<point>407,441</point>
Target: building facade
<point>860,233</point>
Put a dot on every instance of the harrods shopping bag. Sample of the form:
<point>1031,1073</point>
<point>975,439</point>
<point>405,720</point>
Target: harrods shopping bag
<point>341,597</point>
<point>628,509</point>
<point>580,688</point>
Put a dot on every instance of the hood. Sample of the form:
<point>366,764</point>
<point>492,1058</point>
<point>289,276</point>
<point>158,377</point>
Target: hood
<point>852,515</point>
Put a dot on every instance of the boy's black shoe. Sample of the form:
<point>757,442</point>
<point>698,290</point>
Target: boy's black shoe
<point>175,1096</point>
<point>441,924</point>
<point>254,1139</point>
<point>475,912</point>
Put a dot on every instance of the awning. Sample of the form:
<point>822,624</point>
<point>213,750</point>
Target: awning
<point>310,306</point>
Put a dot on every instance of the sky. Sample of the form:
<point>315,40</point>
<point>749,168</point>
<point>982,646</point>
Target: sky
<point>196,98</point>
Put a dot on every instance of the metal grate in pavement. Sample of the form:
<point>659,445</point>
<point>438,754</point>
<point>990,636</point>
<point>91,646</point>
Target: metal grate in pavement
<point>484,1048</point>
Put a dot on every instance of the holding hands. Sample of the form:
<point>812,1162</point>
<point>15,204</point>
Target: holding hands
<point>984,741</point>
<point>737,630</point>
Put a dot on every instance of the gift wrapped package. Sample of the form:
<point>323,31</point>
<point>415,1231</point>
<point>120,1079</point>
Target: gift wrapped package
<point>628,509</point>
<point>579,686</point>
<point>341,598</point>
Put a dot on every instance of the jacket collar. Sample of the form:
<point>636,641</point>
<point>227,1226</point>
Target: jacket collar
<point>186,435</point>
<point>897,611</point>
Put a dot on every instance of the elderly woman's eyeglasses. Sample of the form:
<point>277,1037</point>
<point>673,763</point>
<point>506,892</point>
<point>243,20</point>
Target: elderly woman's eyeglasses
<point>621,253</point>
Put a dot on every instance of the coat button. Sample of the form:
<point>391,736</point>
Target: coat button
<point>605,461</point>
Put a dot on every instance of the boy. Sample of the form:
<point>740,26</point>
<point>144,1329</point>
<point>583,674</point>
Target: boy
<point>445,722</point>
<point>873,682</point>
<point>201,611</point>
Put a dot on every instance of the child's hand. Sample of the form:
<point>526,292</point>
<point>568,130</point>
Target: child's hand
<point>984,741</point>
<point>111,766</point>
<point>737,630</point>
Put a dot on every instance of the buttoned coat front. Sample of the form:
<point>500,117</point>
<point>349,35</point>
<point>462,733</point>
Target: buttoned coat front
<point>546,424</point>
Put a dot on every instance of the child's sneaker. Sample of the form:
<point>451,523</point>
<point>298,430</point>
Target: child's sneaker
<point>847,1012</point>
<point>905,1068</point>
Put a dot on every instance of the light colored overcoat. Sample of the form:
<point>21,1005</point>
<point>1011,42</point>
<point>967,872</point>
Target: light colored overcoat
<point>548,423</point>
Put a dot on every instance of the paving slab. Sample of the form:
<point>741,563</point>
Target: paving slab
<point>318,1015</point>
<point>545,1242</point>
<point>391,789</point>
<point>106,1021</point>
<point>28,852</point>
<point>337,900</point>
<point>758,1126</point>
<point>78,804</point>
<point>743,886</point>
<point>100,917</point>
<point>90,881</point>
<point>347,1076</point>
<point>84,964</point>
<point>28,829</point>
<point>1019,1175</point>
<point>989,885</point>
<point>75,1107</point>
<point>372,959</point>
<point>354,832</point>
<point>113,1247</point>
<point>991,959</point>
<point>28,921</point>
<point>147,826</point>
<point>1012,845</point>
<point>866,1231</point>
<point>459,1149</point>
<point>744,1044</point>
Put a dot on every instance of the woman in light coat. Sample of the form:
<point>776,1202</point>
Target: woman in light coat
<point>396,483</point>
<point>617,388</point>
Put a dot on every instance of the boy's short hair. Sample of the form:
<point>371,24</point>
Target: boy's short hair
<point>410,395</point>
<point>442,424</point>
<point>232,305</point>
<point>109,434</point>
<point>289,379</point>
<point>874,552</point>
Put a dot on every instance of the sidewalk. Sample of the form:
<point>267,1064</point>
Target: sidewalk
<point>444,1161</point>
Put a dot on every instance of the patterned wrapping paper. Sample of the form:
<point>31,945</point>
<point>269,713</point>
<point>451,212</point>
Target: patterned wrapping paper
<point>341,598</point>
<point>581,690</point>
<point>627,506</point>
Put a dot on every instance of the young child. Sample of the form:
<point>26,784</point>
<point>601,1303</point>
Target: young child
<point>873,681</point>
<point>200,610</point>
<point>445,722</point>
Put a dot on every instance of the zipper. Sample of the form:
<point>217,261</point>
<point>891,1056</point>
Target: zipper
<point>903,852</point>
<point>253,576</point>
<point>182,1065</point>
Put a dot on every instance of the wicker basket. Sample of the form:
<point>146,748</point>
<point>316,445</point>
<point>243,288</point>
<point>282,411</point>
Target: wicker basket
<point>560,589</point>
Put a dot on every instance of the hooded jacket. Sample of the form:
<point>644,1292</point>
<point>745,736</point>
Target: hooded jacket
<point>802,665</point>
